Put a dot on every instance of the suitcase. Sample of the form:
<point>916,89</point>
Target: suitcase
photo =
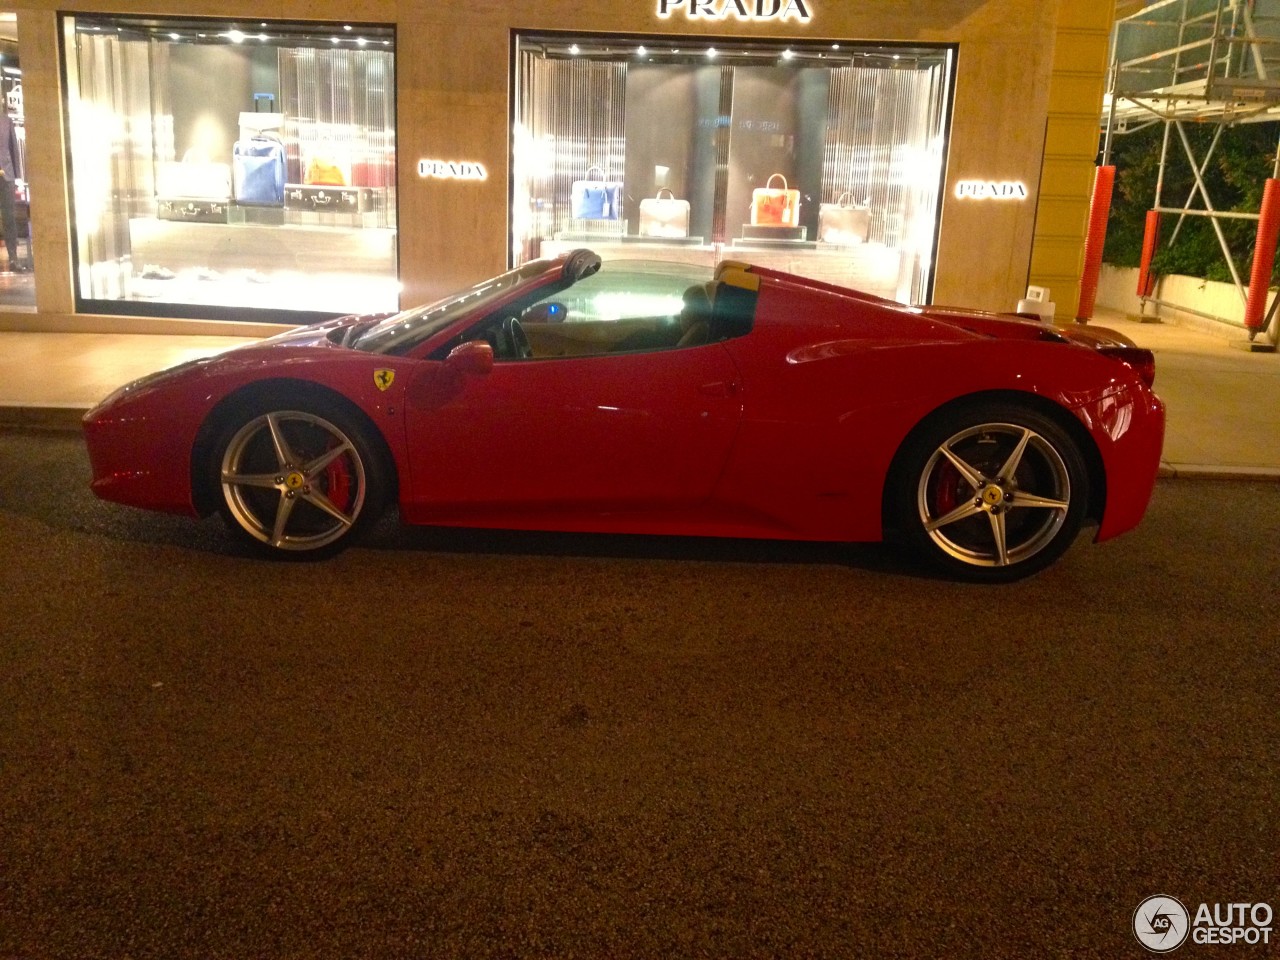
<point>664,216</point>
<point>301,196</point>
<point>191,210</point>
<point>257,167</point>
<point>596,199</point>
<point>771,207</point>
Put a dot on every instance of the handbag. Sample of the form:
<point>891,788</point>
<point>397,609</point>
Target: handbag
<point>664,216</point>
<point>771,207</point>
<point>843,224</point>
<point>325,171</point>
<point>596,199</point>
<point>258,171</point>
<point>193,177</point>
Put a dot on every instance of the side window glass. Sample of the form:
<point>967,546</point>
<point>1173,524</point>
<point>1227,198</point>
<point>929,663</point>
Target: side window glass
<point>624,308</point>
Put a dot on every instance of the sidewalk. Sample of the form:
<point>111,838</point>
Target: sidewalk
<point>1223,401</point>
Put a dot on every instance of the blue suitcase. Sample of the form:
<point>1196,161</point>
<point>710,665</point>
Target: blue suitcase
<point>257,172</point>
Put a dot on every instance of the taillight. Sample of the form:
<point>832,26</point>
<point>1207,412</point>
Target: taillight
<point>1142,362</point>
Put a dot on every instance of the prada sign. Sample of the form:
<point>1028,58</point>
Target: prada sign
<point>757,10</point>
<point>452,170</point>
<point>991,190</point>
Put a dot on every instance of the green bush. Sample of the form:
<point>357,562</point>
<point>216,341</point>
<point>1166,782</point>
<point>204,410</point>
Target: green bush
<point>1240,166</point>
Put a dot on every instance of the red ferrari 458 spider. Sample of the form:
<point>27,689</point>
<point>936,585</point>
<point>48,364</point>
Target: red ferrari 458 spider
<point>638,397</point>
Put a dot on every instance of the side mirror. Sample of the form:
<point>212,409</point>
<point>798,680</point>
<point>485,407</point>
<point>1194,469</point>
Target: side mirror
<point>474,356</point>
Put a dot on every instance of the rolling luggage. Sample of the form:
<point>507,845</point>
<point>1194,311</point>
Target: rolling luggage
<point>258,172</point>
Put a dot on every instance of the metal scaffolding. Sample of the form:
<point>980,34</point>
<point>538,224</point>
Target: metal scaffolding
<point>1195,61</point>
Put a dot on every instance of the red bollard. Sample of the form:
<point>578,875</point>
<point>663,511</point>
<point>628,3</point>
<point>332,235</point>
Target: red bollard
<point>1099,209</point>
<point>1150,237</point>
<point>1264,257</point>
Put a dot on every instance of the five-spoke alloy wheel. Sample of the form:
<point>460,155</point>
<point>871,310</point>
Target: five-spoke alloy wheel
<point>297,482</point>
<point>992,493</point>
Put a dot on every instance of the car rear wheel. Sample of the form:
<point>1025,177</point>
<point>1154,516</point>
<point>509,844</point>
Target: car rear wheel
<point>992,493</point>
<point>298,482</point>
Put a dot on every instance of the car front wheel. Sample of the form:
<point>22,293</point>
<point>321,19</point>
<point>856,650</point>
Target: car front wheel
<point>297,483</point>
<point>992,494</point>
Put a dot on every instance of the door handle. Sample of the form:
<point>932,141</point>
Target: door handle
<point>719,388</point>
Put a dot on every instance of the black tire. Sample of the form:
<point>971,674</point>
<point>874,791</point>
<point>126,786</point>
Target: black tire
<point>297,480</point>
<point>990,493</point>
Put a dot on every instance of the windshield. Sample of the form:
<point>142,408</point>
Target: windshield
<point>402,332</point>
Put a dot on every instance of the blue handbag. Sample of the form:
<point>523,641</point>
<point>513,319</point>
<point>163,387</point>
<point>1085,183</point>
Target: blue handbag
<point>596,199</point>
<point>257,172</point>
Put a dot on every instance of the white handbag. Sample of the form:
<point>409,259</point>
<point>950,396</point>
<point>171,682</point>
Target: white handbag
<point>194,177</point>
<point>664,216</point>
<point>843,224</point>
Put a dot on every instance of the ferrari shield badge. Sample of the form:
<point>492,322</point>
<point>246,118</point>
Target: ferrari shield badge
<point>383,378</point>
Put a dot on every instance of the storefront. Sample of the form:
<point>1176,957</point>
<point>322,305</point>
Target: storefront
<point>199,166</point>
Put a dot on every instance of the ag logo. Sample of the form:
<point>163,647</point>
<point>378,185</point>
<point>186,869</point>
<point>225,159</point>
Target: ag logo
<point>1161,924</point>
<point>383,379</point>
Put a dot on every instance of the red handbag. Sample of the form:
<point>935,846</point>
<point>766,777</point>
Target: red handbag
<point>771,207</point>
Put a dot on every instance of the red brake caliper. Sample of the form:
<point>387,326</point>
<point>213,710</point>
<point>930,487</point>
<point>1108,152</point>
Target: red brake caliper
<point>337,476</point>
<point>946,489</point>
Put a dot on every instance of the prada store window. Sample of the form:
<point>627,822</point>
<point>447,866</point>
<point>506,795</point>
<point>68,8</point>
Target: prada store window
<point>821,158</point>
<point>232,169</point>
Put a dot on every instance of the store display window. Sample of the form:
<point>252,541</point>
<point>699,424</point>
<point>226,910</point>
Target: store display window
<point>231,169</point>
<point>17,281</point>
<point>821,158</point>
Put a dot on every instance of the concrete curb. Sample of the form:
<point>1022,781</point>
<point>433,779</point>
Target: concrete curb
<point>19,417</point>
<point>1210,471</point>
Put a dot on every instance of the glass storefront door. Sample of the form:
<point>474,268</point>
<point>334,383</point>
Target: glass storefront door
<point>232,170</point>
<point>821,159</point>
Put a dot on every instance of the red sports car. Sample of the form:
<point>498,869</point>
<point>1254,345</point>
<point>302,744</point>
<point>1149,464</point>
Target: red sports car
<point>645,398</point>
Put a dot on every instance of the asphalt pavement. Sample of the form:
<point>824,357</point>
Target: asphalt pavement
<point>462,744</point>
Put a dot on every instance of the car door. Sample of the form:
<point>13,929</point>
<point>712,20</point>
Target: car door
<point>572,435</point>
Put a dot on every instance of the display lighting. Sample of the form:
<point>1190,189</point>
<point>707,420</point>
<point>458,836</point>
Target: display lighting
<point>711,52</point>
<point>575,50</point>
<point>787,54</point>
<point>641,51</point>
<point>235,36</point>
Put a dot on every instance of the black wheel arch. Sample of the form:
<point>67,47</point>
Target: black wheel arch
<point>286,391</point>
<point>893,487</point>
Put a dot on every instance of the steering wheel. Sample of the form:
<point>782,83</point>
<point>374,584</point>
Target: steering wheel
<point>515,340</point>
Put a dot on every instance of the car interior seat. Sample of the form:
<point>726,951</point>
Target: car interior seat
<point>695,317</point>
